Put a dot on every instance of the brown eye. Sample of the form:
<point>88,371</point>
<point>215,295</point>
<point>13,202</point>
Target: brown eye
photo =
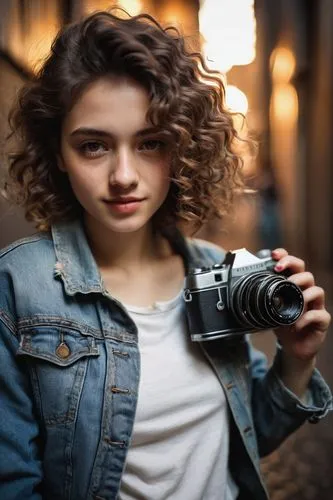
<point>93,149</point>
<point>152,145</point>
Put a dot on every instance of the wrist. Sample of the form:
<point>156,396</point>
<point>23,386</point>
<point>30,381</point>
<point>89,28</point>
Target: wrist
<point>292,363</point>
<point>296,373</point>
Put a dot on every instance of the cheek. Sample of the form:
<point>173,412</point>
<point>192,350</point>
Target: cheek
<point>161,185</point>
<point>160,176</point>
<point>84,183</point>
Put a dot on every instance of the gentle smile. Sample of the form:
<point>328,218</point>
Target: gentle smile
<point>124,205</point>
<point>124,199</point>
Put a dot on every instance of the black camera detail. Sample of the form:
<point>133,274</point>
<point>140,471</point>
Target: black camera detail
<point>241,295</point>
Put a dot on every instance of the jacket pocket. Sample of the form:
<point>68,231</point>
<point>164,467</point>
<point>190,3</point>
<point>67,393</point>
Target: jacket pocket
<point>57,360</point>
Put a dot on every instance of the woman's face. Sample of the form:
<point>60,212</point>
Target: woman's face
<point>117,164</point>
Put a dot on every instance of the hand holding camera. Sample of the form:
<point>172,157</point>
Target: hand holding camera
<point>247,293</point>
<point>303,339</point>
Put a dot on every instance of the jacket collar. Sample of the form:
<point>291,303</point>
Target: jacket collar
<point>77,267</point>
<point>75,264</point>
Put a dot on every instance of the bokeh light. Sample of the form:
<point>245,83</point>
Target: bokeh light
<point>228,29</point>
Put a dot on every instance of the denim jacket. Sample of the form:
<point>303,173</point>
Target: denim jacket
<point>70,369</point>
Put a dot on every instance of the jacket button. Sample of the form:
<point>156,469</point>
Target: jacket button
<point>63,351</point>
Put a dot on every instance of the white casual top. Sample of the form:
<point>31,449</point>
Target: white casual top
<point>180,443</point>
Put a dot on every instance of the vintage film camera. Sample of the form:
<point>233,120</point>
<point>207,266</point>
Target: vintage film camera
<point>243,294</point>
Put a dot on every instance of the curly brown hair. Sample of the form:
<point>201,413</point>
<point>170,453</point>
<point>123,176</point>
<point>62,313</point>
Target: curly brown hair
<point>186,100</point>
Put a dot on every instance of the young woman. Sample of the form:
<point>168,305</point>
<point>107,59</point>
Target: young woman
<point>122,138</point>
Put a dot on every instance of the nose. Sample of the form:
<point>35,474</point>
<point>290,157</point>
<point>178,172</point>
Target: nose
<point>124,172</point>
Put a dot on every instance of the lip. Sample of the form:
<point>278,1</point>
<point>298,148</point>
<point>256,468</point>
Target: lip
<point>129,199</point>
<point>125,205</point>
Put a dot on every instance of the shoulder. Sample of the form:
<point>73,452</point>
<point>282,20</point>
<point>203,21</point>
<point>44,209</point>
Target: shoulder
<point>26,269</point>
<point>26,257</point>
<point>205,252</point>
<point>25,246</point>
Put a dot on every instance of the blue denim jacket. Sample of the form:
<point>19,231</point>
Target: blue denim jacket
<point>69,377</point>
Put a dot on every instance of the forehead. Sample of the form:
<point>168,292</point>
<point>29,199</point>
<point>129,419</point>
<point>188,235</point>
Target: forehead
<point>118,105</point>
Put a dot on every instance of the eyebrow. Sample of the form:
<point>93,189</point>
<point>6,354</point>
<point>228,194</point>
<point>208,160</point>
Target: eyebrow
<point>87,131</point>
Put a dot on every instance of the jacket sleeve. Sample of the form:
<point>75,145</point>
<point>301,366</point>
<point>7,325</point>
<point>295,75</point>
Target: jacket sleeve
<point>277,412</point>
<point>20,464</point>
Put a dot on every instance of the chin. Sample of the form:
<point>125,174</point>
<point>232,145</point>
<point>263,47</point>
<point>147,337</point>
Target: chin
<point>123,224</point>
<point>126,226</point>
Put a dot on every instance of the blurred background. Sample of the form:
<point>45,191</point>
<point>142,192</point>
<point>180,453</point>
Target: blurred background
<point>277,60</point>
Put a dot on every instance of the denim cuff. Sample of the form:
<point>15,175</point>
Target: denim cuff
<point>318,398</point>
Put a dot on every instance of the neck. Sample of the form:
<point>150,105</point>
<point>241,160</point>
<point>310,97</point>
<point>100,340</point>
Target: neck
<point>125,250</point>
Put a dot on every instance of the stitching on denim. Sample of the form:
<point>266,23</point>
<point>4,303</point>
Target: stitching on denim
<point>8,322</point>
<point>53,359</point>
<point>57,321</point>
<point>24,241</point>
<point>121,354</point>
<point>82,328</point>
<point>77,389</point>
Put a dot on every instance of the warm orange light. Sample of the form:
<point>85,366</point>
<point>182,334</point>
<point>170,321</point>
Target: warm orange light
<point>229,32</point>
<point>94,5</point>
<point>32,45</point>
<point>283,63</point>
<point>284,104</point>
<point>178,14</point>
<point>40,49</point>
<point>133,7</point>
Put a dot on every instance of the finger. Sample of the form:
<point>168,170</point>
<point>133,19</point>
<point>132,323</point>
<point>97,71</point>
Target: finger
<point>293,264</point>
<point>318,319</point>
<point>278,253</point>
<point>314,298</point>
<point>303,280</point>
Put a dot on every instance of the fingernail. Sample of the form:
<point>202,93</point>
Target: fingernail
<point>278,267</point>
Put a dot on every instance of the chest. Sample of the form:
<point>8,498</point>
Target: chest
<point>143,288</point>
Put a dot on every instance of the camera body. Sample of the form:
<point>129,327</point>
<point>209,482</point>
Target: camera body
<point>241,295</point>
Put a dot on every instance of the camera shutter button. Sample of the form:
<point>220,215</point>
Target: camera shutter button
<point>197,270</point>
<point>264,253</point>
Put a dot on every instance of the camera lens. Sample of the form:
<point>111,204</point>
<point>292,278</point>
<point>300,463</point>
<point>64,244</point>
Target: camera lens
<point>265,300</point>
<point>242,303</point>
<point>284,302</point>
<point>278,303</point>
